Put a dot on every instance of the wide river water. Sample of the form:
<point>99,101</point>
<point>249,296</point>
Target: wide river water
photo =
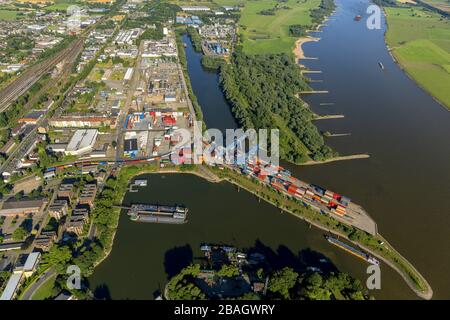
<point>404,184</point>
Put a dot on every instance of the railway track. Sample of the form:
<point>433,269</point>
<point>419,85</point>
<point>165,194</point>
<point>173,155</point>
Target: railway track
<point>34,73</point>
<point>28,140</point>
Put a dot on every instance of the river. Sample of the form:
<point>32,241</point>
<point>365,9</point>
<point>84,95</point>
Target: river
<point>403,185</point>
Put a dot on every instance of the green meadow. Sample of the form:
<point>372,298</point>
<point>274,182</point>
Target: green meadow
<point>269,33</point>
<point>420,41</point>
<point>8,15</point>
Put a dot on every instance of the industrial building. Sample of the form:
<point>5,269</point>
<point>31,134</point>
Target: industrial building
<point>28,264</point>
<point>195,8</point>
<point>83,121</point>
<point>130,147</point>
<point>12,286</point>
<point>13,207</point>
<point>82,142</point>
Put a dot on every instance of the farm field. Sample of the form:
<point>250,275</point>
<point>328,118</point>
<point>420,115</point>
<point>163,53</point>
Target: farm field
<point>420,41</point>
<point>269,33</point>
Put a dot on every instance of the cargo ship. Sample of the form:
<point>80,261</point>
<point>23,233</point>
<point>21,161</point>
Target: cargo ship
<point>360,254</point>
<point>158,214</point>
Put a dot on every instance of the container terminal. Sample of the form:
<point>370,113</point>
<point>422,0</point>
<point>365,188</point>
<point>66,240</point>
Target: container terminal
<point>318,198</point>
<point>360,254</point>
<point>158,214</point>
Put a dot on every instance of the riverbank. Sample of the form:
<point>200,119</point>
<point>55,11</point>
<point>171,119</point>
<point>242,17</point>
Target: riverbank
<point>414,42</point>
<point>374,245</point>
<point>298,51</point>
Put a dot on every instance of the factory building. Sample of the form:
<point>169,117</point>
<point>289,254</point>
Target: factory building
<point>82,142</point>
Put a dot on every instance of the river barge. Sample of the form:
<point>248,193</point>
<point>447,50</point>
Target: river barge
<point>158,213</point>
<point>356,252</point>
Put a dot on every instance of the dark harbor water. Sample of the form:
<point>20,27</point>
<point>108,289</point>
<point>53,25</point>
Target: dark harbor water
<point>404,185</point>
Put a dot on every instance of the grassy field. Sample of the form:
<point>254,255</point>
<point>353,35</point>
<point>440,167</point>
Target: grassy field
<point>45,291</point>
<point>8,15</point>
<point>420,41</point>
<point>269,33</point>
<point>60,6</point>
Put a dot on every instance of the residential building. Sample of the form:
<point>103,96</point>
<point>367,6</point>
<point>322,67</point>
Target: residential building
<point>66,191</point>
<point>45,240</point>
<point>88,194</point>
<point>58,209</point>
<point>77,221</point>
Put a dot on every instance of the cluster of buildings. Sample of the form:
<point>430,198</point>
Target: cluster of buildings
<point>153,133</point>
<point>218,36</point>
<point>160,48</point>
<point>163,83</point>
<point>128,36</point>
<point>83,142</point>
<point>40,29</point>
<point>206,9</point>
<point>189,20</point>
<point>93,43</point>
<point>70,208</point>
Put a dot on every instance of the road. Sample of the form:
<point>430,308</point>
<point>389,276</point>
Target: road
<point>130,93</point>
<point>37,284</point>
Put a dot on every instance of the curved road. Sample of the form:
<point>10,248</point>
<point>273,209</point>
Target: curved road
<point>37,284</point>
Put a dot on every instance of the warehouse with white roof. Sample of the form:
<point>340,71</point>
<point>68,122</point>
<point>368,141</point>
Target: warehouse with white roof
<point>82,142</point>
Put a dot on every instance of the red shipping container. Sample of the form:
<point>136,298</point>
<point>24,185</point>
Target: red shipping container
<point>336,196</point>
<point>169,120</point>
<point>292,189</point>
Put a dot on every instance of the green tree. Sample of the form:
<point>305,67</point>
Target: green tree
<point>59,256</point>
<point>282,281</point>
<point>20,233</point>
<point>228,271</point>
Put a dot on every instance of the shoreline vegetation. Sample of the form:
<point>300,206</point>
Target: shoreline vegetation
<point>374,245</point>
<point>259,278</point>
